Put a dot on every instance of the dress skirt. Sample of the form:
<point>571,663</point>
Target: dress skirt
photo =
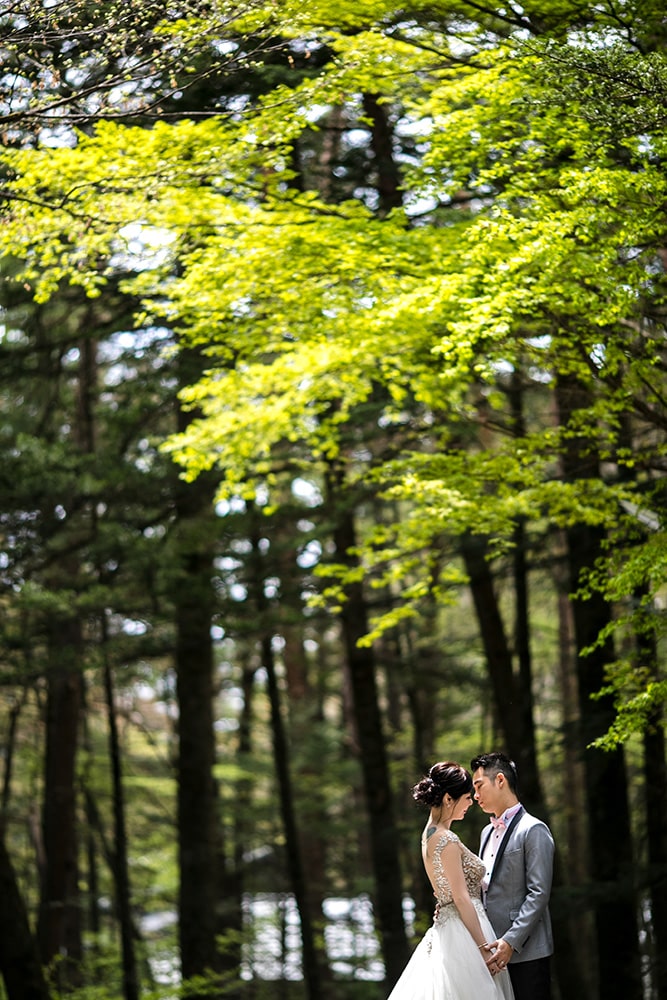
<point>447,964</point>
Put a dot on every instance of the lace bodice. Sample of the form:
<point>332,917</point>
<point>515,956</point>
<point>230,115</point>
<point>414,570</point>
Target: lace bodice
<point>473,868</point>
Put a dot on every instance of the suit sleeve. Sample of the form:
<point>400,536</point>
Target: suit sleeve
<point>538,865</point>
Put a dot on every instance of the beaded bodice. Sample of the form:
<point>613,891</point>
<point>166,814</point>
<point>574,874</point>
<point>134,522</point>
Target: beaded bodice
<point>473,868</point>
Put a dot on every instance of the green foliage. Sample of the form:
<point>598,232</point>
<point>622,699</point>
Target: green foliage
<point>636,713</point>
<point>305,308</point>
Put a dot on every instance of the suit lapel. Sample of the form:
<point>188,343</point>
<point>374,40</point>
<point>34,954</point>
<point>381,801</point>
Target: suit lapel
<point>504,842</point>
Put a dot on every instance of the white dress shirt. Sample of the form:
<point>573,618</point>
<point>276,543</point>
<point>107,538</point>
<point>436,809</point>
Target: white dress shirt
<point>490,852</point>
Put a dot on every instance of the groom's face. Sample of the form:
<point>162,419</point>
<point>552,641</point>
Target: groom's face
<point>487,792</point>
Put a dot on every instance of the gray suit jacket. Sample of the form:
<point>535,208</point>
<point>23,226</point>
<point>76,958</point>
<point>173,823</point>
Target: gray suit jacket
<point>518,894</point>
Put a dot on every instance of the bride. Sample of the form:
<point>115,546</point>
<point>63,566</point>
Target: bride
<point>449,963</point>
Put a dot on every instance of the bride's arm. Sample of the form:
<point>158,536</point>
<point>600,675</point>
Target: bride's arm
<point>452,865</point>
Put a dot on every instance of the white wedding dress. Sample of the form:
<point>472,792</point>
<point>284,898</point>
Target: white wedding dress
<point>447,964</point>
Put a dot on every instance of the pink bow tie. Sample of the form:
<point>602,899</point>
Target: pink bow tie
<point>497,823</point>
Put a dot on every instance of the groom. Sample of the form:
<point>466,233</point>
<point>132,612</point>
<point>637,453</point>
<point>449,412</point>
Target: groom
<point>518,851</point>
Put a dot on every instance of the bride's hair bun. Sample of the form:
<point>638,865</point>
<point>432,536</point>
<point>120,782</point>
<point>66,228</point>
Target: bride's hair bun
<point>427,792</point>
<point>444,777</point>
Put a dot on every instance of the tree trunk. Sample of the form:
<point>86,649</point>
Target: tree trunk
<point>422,662</point>
<point>197,801</point>
<point>388,176</point>
<point>121,867</point>
<point>569,962</point>
<point>527,758</point>
<point>655,778</point>
<point>522,643</point>
<point>9,749</point>
<point>59,927</point>
<point>232,864</point>
<point>577,866</point>
<point>385,846</point>
<point>655,782</point>
<point>311,971</point>
<point>655,791</point>
<point>304,716</point>
<point>311,809</point>
<point>507,695</point>
<point>610,839</point>
<point>19,959</point>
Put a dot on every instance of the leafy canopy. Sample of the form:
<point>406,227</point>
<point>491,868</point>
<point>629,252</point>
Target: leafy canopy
<point>530,242</point>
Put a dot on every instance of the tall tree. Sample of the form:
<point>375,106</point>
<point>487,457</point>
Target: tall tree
<point>121,859</point>
<point>360,663</point>
<point>610,839</point>
<point>193,599</point>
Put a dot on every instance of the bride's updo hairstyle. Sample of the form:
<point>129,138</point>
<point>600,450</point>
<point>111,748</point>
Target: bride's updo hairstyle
<point>446,776</point>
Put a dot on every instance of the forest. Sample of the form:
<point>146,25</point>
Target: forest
<point>333,383</point>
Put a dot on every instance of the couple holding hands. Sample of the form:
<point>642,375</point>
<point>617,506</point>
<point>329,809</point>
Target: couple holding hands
<point>491,934</point>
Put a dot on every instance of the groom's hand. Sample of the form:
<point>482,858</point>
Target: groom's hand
<point>501,952</point>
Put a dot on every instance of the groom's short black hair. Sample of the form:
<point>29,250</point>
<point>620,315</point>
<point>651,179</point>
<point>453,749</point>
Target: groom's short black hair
<point>496,763</point>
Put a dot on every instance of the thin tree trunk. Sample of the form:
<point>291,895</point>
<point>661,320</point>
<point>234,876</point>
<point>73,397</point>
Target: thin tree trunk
<point>504,686</point>
<point>295,866</point>
<point>655,783</point>
<point>232,864</point>
<point>655,791</point>
<point>121,868</point>
<point>91,880</point>
<point>304,715</point>
<point>422,662</point>
<point>424,676</point>
<point>311,972</point>
<point>385,845</point>
<point>311,809</point>
<point>524,688</point>
<point>528,750</point>
<point>96,825</point>
<point>575,806</point>
<point>94,893</point>
<point>9,748</point>
<point>332,130</point>
<point>388,179</point>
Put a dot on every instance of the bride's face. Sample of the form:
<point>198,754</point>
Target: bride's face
<point>461,806</point>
